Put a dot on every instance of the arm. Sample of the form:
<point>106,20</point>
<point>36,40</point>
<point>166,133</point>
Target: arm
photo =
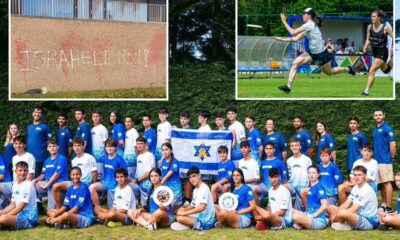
<point>40,178</point>
<point>17,209</point>
<point>324,206</point>
<point>8,209</point>
<point>389,32</point>
<point>393,150</point>
<point>144,177</point>
<point>52,180</point>
<point>74,210</point>
<point>234,139</point>
<point>284,155</point>
<point>367,41</point>
<point>345,205</point>
<point>1,178</point>
<point>252,180</point>
<point>192,210</point>
<point>289,28</point>
<point>249,209</point>
<point>310,152</point>
<point>121,143</point>
<point>291,39</point>
<point>94,176</point>
<point>333,155</point>
<point>169,174</point>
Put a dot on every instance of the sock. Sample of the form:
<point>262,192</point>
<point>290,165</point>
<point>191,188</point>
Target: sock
<point>346,69</point>
<point>289,85</point>
<point>366,90</point>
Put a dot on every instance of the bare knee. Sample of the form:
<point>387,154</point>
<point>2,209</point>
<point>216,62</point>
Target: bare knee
<point>295,216</point>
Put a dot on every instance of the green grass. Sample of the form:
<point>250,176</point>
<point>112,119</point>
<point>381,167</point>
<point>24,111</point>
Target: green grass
<point>123,93</point>
<point>313,86</point>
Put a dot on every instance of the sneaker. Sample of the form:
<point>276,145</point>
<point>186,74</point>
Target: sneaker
<point>152,226</point>
<point>284,88</point>
<point>297,226</point>
<point>382,207</point>
<point>261,226</point>
<point>364,94</point>
<point>351,70</point>
<point>383,227</point>
<point>389,210</point>
<point>219,225</point>
<point>112,224</point>
<point>186,203</point>
<point>179,226</point>
<point>67,226</point>
<point>341,226</point>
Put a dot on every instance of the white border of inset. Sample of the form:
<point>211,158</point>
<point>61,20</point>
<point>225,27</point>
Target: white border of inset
<point>323,99</point>
<point>91,99</point>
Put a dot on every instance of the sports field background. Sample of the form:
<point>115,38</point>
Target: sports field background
<point>312,86</point>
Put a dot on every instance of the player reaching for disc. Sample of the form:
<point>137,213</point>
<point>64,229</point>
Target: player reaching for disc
<point>317,53</point>
<point>377,36</point>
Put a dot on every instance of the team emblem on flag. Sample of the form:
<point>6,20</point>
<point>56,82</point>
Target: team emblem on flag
<point>202,151</point>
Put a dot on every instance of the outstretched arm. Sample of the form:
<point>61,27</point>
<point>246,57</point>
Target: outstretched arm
<point>289,28</point>
<point>291,39</point>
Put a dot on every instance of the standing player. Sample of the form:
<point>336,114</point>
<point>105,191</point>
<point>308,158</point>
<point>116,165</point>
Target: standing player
<point>64,136</point>
<point>23,156</point>
<point>385,152</point>
<point>184,119</point>
<point>389,220</point>
<point>237,128</point>
<point>302,136</point>
<point>83,130</point>
<point>99,136</point>
<point>170,173</point>
<point>163,131</point>
<point>130,146</point>
<point>355,142</point>
<point>149,134</point>
<point>377,36</point>
<point>251,170</point>
<point>118,131</point>
<point>203,121</point>
<point>323,140</point>
<point>220,122</point>
<point>225,168</point>
<point>5,184</point>
<point>316,54</point>
<point>275,138</point>
<point>37,135</point>
<point>254,139</point>
<point>9,151</point>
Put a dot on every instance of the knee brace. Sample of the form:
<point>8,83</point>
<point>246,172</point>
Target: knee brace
<point>388,69</point>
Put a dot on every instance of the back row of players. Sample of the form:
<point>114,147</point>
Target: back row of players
<point>104,167</point>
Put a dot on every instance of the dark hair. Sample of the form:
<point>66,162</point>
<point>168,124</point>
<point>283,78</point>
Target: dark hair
<point>369,147</point>
<point>269,144</point>
<point>163,110</point>
<point>295,140</point>
<point>38,108</point>
<point>251,117</point>
<point>205,114</point>
<point>273,172</point>
<point>354,118</point>
<point>110,141</point>
<point>231,109</point>
<point>96,112</point>
<point>244,144</point>
<point>117,115</point>
<point>121,171</point>
<point>379,110</point>
<point>318,21</point>
<point>240,171</point>
<point>158,171</point>
<point>141,139</point>
<point>222,148</point>
<point>192,170</point>
<point>133,120</point>
<point>325,151</point>
<point>61,114</point>
<point>147,115</point>
<point>51,141</point>
<point>220,115</point>
<point>379,13</point>
<point>80,110</point>
<point>360,168</point>
<point>19,139</point>
<point>299,117</point>
<point>317,135</point>
<point>315,167</point>
<point>76,168</point>
<point>171,157</point>
<point>78,141</point>
<point>185,115</point>
<point>21,164</point>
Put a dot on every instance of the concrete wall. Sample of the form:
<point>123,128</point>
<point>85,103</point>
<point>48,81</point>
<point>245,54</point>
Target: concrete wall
<point>75,55</point>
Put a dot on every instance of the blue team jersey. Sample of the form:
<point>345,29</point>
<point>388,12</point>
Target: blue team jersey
<point>118,133</point>
<point>37,137</point>
<point>110,166</point>
<point>266,165</point>
<point>174,182</point>
<point>58,165</point>
<point>330,178</point>
<point>8,153</point>
<point>382,136</point>
<point>279,142</point>
<point>245,195</point>
<point>354,146</point>
<point>80,197</point>
<point>254,140</point>
<point>305,141</point>
<point>83,132</point>
<point>151,138</point>
<point>4,171</point>
<point>326,141</point>
<point>64,140</point>
<point>398,204</point>
<point>225,170</point>
<point>315,194</point>
<point>154,207</point>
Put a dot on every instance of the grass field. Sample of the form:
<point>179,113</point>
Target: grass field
<point>312,86</point>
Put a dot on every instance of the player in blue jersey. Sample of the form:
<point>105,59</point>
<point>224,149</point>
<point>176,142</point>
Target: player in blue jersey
<point>360,210</point>
<point>225,168</point>
<point>83,130</point>
<point>279,212</point>
<point>9,151</point>
<point>277,139</point>
<point>118,131</point>
<point>384,152</point>
<point>152,216</point>
<point>124,199</point>
<point>170,173</point>
<point>315,216</point>
<point>389,220</point>
<point>240,217</point>
<point>64,136</point>
<point>184,119</point>
<point>149,134</point>
<point>323,139</point>
<point>111,162</point>
<point>55,170</point>
<point>254,138</point>
<point>37,135</point>
<point>5,184</point>
<point>22,212</point>
<point>77,210</point>
<point>330,176</point>
<point>355,141</point>
<point>302,136</point>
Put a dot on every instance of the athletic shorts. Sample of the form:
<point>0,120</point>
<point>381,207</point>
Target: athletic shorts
<point>283,225</point>
<point>363,224</point>
<point>385,173</point>
<point>263,190</point>
<point>100,171</point>
<point>318,223</point>
<point>244,222</point>
<point>83,221</point>
<point>201,225</point>
<point>332,200</point>
<point>382,53</point>
<point>320,58</point>
<point>23,223</point>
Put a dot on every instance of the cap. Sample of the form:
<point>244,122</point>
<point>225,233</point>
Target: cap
<point>310,11</point>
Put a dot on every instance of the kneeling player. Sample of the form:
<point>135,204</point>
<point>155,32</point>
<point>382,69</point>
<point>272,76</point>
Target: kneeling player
<point>389,220</point>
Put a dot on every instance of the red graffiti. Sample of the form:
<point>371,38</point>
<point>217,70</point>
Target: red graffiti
<point>72,40</point>
<point>20,45</point>
<point>157,47</point>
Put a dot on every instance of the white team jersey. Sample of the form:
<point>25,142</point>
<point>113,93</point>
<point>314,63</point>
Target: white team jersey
<point>25,193</point>
<point>163,133</point>
<point>145,162</point>
<point>281,199</point>
<point>201,195</point>
<point>371,166</point>
<point>87,164</point>
<point>124,198</point>
<point>205,128</point>
<point>297,169</point>
<point>239,131</point>
<point>26,157</point>
<point>316,42</point>
<point>99,136</point>
<point>366,198</point>
<point>130,141</point>
<point>250,169</point>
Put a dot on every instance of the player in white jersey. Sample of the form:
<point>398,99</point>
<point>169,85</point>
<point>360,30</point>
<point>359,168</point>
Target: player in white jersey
<point>203,121</point>
<point>238,131</point>
<point>130,157</point>
<point>163,131</point>
<point>317,54</point>
<point>99,136</point>
<point>22,155</point>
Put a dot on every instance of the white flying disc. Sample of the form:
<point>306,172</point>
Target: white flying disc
<point>163,195</point>
<point>228,201</point>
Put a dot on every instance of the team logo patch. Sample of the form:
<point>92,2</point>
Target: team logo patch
<point>202,151</point>
<point>62,134</point>
<point>175,165</point>
<point>391,134</point>
<point>81,199</point>
<point>321,192</point>
<point>119,134</point>
<point>330,144</point>
<point>250,193</point>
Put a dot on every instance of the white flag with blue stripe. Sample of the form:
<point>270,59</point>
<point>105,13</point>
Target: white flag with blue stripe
<point>200,149</point>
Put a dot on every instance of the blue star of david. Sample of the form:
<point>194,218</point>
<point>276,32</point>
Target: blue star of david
<point>202,151</point>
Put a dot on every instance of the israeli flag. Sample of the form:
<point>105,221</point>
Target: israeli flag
<point>200,149</point>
